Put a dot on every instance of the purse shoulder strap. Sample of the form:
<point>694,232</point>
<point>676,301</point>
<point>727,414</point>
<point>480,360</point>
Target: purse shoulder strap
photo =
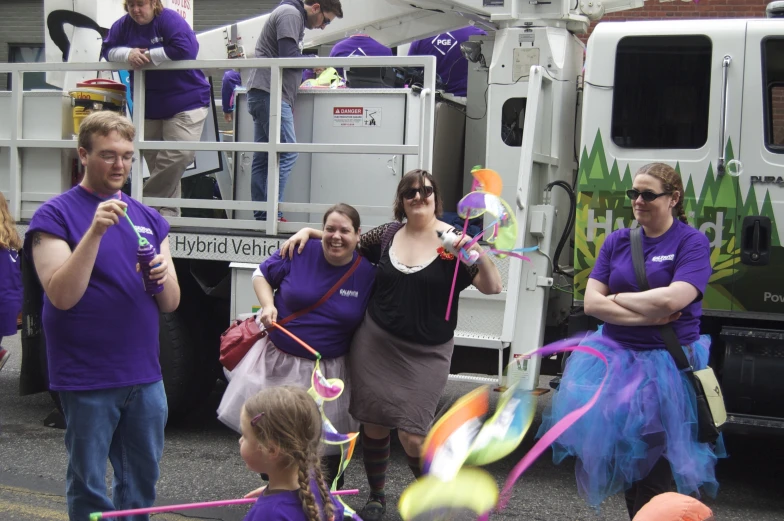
<point>667,332</point>
<point>326,296</point>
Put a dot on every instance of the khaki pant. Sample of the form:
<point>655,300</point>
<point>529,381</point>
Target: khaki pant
<point>167,166</point>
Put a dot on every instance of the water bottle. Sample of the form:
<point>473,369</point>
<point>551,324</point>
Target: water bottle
<point>144,255</point>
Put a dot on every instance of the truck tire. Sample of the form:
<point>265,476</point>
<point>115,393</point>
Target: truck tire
<point>187,375</point>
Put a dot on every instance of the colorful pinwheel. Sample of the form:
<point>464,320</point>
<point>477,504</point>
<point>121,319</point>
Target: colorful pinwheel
<point>460,440</point>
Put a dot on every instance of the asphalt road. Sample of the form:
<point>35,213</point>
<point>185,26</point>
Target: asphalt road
<point>202,463</point>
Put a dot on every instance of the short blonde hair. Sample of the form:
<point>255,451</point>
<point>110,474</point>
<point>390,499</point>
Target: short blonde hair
<point>103,123</point>
<point>157,7</point>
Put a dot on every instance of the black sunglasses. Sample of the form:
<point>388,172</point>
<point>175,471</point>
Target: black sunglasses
<point>647,195</point>
<point>425,192</point>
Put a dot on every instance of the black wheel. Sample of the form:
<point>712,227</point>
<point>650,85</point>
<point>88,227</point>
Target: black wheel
<point>188,375</point>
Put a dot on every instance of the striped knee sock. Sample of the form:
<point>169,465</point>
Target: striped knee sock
<point>376,458</point>
<point>413,464</point>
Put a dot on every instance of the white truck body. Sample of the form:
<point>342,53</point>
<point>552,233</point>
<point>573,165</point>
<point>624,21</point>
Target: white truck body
<point>530,83</point>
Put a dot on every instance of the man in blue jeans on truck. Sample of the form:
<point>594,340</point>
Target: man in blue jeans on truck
<point>281,37</point>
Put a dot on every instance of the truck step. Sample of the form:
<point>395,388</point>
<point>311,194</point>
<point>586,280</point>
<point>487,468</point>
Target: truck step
<point>488,380</point>
<point>747,420</point>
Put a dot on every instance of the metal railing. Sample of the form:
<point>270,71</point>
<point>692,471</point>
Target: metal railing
<point>423,149</point>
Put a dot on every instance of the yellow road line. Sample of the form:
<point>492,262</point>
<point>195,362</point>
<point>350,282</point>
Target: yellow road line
<point>33,512</point>
<point>37,513</point>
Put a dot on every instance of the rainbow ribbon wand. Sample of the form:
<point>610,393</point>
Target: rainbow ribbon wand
<point>192,506</point>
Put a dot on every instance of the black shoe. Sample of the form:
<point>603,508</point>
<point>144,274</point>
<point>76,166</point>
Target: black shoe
<point>373,510</point>
<point>330,465</point>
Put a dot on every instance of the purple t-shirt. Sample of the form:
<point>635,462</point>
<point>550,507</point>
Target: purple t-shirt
<point>451,66</point>
<point>168,92</point>
<point>286,506</point>
<point>302,282</point>
<point>358,45</point>
<point>231,80</point>
<point>110,337</point>
<point>682,254</point>
<point>10,290</point>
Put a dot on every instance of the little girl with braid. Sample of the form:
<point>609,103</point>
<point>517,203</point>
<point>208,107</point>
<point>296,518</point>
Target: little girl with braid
<point>281,431</point>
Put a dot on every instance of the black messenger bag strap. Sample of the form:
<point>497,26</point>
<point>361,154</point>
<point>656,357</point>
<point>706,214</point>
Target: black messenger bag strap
<point>667,332</point>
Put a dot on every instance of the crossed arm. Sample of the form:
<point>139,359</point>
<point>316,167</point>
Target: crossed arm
<point>653,307</point>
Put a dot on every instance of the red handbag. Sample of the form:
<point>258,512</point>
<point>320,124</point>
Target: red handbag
<point>237,340</point>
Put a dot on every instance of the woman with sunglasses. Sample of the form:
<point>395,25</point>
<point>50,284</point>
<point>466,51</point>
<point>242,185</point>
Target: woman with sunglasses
<point>642,433</point>
<point>399,358</point>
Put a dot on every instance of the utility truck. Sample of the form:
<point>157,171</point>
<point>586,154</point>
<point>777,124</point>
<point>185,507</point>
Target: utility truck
<point>564,124</point>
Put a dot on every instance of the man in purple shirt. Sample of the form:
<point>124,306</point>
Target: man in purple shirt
<point>281,37</point>
<point>176,101</point>
<point>101,326</point>
<point>451,66</point>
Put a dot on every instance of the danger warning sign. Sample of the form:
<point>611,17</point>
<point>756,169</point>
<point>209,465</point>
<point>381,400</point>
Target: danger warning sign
<point>356,116</point>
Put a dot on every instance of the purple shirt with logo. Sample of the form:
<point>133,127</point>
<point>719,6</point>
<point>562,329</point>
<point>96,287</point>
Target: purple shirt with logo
<point>285,505</point>
<point>109,338</point>
<point>168,92</point>
<point>451,66</point>
<point>302,282</point>
<point>682,253</point>
<point>10,290</point>
<point>358,45</point>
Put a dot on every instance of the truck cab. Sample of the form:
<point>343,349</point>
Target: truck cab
<point>705,97</point>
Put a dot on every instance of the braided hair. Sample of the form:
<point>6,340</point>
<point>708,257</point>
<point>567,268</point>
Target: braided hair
<point>671,181</point>
<point>289,418</point>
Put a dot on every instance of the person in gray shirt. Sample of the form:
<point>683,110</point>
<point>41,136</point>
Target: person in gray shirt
<point>281,37</point>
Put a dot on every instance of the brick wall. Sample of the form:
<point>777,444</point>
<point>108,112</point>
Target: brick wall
<point>777,106</point>
<point>656,10</point>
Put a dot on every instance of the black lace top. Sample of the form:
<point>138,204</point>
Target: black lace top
<point>413,306</point>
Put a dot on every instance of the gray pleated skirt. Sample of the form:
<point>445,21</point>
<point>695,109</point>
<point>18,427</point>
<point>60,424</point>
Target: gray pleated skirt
<point>396,383</point>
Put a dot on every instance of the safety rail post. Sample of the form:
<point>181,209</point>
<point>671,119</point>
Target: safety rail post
<point>139,108</point>
<point>426,132</point>
<point>15,170</point>
<point>273,163</point>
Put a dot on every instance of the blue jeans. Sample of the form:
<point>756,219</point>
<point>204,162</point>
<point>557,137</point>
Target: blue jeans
<point>124,424</point>
<point>259,108</point>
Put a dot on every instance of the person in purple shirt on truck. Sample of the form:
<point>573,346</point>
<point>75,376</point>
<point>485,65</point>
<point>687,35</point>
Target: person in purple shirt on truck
<point>176,101</point>
<point>451,65</point>
<point>358,45</point>
<point>101,326</point>
<point>10,277</point>
<point>285,286</point>
<point>281,37</point>
<point>638,444</point>
<point>231,80</point>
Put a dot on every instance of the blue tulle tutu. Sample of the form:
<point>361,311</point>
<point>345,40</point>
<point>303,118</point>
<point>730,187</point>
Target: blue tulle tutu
<point>618,441</point>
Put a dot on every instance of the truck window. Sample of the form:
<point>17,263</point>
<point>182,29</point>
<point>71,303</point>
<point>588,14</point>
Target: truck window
<point>661,93</point>
<point>773,82</point>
